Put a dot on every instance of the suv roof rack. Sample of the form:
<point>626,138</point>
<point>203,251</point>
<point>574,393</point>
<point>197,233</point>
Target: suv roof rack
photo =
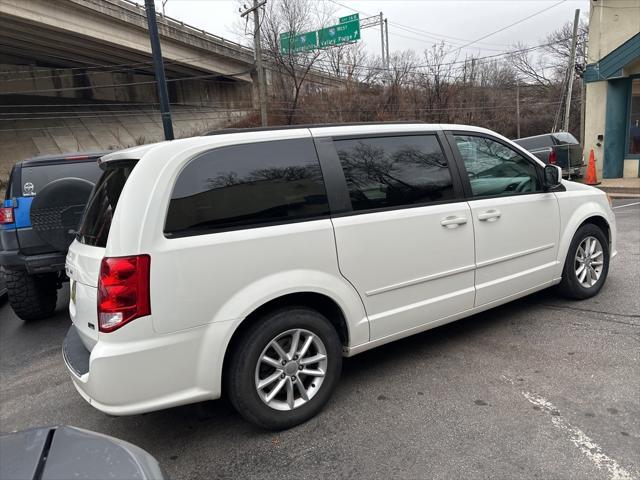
<point>224,131</point>
<point>62,158</point>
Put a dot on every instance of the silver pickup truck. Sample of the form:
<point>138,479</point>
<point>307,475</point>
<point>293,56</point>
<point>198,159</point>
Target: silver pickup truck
<point>560,148</point>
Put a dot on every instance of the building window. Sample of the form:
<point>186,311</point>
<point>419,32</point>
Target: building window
<point>634,118</point>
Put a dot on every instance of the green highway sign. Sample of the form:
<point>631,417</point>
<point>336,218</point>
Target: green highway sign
<point>350,18</point>
<point>338,34</point>
<point>347,31</point>
<point>298,43</point>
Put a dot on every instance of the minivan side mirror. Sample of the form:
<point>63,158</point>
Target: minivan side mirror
<point>552,176</point>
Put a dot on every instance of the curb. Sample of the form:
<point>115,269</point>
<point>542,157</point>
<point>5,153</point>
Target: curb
<point>624,195</point>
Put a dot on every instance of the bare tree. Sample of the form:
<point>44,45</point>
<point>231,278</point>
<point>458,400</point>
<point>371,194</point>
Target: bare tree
<point>347,61</point>
<point>531,66</point>
<point>558,47</point>
<point>438,79</point>
<point>401,74</point>
<point>292,66</point>
<point>434,87</point>
<point>548,65</point>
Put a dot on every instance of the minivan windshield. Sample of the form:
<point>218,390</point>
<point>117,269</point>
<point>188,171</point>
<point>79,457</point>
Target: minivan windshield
<point>102,203</point>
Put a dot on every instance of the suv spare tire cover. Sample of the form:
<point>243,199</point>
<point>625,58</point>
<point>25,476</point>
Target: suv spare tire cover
<point>57,210</point>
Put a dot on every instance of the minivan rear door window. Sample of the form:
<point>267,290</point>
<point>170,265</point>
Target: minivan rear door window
<point>395,171</point>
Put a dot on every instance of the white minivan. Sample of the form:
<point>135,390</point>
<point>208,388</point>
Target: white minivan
<point>249,263</point>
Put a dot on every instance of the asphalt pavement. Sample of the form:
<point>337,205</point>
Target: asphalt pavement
<point>541,388</point>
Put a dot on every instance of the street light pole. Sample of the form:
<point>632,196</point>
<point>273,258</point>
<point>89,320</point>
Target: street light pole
<point>158,66</point>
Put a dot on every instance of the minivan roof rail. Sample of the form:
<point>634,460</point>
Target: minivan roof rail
<point>224,131</point>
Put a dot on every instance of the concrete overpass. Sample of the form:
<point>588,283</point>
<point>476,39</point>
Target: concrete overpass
<point>86,33</point>
<point>78,75</point>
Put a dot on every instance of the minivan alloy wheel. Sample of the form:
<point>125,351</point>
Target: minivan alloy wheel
<point>589,261</point>
<point>291,369</point>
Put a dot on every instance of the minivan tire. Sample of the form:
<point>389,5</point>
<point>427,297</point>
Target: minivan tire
<point>32,297</point>
<point>240,378</point>
<point>570,286</point>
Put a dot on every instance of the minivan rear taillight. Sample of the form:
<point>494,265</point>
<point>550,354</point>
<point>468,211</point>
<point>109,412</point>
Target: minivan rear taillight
<point>553,157</point>
<point>6,215</point>
<point>123,291</point>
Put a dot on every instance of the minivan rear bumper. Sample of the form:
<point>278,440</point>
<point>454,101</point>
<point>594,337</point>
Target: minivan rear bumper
<point>134,370</point>
<point>75,354</point>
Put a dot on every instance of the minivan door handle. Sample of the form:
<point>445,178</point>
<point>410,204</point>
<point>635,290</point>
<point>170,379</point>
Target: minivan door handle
<point>453,221</point>
<point>489,216</point>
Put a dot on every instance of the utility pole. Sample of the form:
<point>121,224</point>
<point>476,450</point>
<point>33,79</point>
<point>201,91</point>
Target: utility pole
<point>158,66</point>
<point>571,72</point>
<point>257,47</point>
<point>383,57</point>
<point>583,100</point>
<point>386,35</point>
<point>518,107</point>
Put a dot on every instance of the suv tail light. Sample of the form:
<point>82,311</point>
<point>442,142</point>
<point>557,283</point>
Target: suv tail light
<point>123,291</point>
<point>6,215</point>
<point>553,158</point>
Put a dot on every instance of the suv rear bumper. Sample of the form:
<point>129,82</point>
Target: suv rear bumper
<point>134,370</point>
<point>41,263</point>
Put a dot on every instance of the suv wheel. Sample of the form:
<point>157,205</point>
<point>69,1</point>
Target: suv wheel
<point>285,369</point>
<point>32,297</point>
<point>587,263</point>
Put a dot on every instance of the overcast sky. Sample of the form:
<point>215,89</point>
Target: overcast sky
<point>454,21</point>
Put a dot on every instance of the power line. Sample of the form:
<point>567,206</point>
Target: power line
<point>507,26</point>
<point>468,60</point>
<point>324,62</point>
<point>432,35</point>
<point>103,69</point>
<point>176,60</point>
<point>114,85</point>
<point>280,109</point>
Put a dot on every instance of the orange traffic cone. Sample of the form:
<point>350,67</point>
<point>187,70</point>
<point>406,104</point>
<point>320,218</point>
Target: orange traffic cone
<point>591,178</point>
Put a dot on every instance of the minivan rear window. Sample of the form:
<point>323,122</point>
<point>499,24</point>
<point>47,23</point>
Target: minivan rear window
<point>101,206</point>
<point>246,186</point>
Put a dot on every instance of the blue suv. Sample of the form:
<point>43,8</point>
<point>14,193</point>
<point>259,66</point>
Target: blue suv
<point>43,206</point>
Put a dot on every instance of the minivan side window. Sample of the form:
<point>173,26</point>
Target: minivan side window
<point>394,171</point>
<point>248,185</point>
<point>495,169</point>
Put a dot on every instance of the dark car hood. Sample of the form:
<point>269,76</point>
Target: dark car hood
<point>64,452</point>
